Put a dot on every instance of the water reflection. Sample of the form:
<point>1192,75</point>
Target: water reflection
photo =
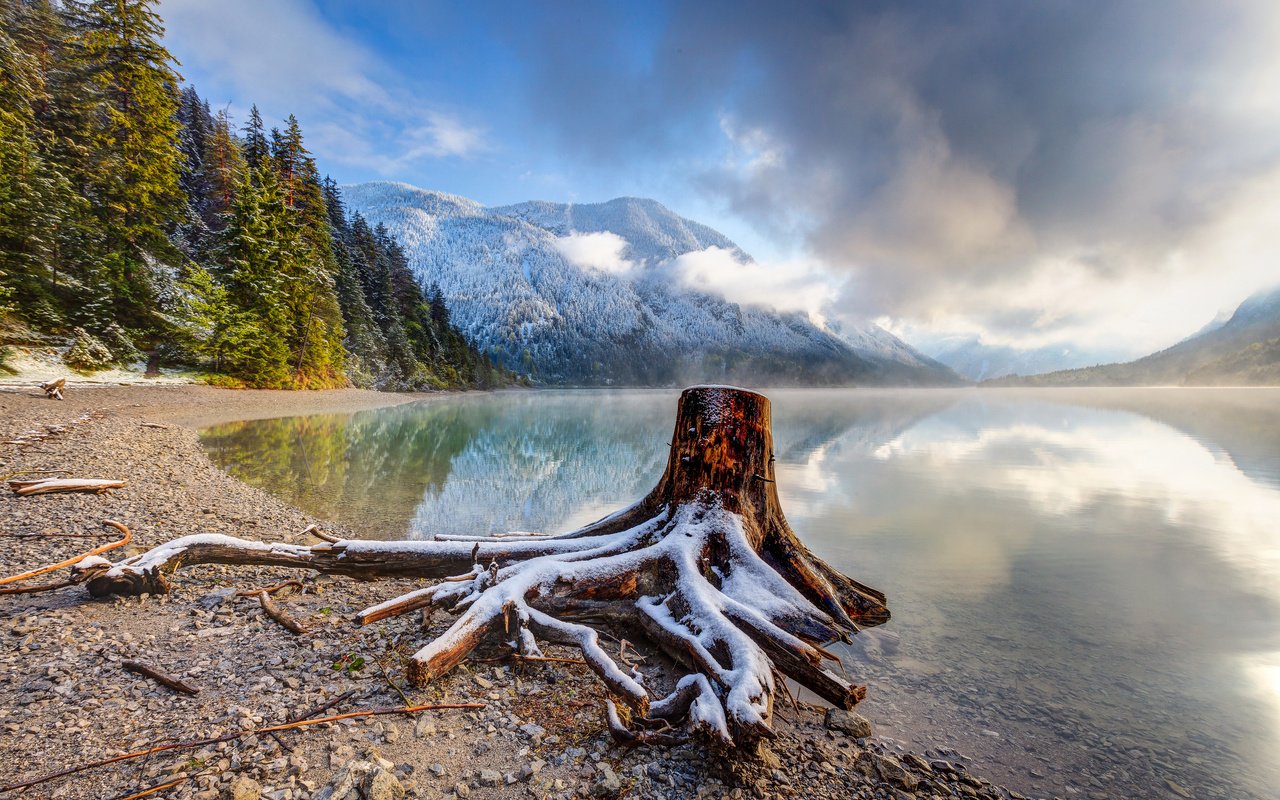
<point>1085,585</point>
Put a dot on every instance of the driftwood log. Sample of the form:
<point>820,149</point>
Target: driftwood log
<point>27,488</point>
<point>53,389</point>
<point>705,566</point>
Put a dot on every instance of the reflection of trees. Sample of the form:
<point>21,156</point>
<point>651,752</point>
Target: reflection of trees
<point>367,470</point>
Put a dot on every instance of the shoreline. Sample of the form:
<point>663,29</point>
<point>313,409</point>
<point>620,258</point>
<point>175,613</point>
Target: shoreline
<point>64,699</point>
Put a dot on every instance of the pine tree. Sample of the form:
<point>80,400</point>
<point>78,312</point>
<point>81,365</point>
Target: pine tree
<point>250,253</point>
<point>135,162</point>
<point>256,151</point>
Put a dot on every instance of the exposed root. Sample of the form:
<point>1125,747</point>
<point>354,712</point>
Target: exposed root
<point>705,567</point>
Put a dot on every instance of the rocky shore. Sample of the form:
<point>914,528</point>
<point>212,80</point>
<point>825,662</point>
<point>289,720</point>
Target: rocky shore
<point>66,699</point>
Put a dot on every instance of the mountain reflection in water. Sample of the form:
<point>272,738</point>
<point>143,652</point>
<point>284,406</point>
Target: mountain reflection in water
<point>1085,583</point>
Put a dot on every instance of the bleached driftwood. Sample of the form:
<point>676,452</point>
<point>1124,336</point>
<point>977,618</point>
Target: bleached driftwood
<point>705,566</point>
<point>53,389</point>
<point>54,485</point>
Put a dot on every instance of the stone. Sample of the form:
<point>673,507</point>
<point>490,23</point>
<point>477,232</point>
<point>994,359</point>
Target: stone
<point>424,727</point>
<point>490,777</point>
<point>893,772</point>
<point>243,788</point>
<point>216,598</point>
<point>849,723</point>
<point>461,790</point>
<point>380,784</point>
<point>531,769</point>
<point>607,783</point>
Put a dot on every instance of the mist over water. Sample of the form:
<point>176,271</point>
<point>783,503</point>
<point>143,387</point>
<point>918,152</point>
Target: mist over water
<point>1085,584</point>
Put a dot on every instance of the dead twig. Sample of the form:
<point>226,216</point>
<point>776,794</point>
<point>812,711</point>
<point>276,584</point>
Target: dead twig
<point>279,614</point>
<point>160,677</point>
<point>153,425</point>
<point>160,787</point>
<point>315,531</point>
<point>187,745</point>
<point>128,537</point>
<point>271,589</point>
<point>44,587</point>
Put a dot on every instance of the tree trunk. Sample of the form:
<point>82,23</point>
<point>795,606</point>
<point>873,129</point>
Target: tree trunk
<point>705,566</point>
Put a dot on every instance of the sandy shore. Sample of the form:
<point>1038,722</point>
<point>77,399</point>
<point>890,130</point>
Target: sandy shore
<point>65,699</point>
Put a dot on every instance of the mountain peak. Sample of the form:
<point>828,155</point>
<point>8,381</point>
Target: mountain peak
<point>513,291</point>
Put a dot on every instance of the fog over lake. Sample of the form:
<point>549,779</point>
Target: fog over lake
<point>1085,584</point>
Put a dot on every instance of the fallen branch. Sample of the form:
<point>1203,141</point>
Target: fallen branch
<point>187,745</point>
<point>128,537</point>
<point>53,389</point>
<point>160,677</point>
<point>44,587</point>
<point>57,485</point>
<point>315,531</point>
<point>279,615</point>
<point>153,425</point>
<point>271,589</point>
<point>159,787</point>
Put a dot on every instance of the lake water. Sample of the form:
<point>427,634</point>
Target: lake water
<point>1085,584</point>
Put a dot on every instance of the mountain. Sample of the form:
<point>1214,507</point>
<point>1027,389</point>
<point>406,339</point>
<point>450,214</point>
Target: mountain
<point>1243,351</point>
<point>511,288</point>
<point>979,361</point>
<point>653,232</point>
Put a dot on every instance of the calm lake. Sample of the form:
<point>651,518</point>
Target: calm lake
<point>1085,584</point>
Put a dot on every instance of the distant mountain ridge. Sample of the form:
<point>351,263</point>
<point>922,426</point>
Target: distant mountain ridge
<point>516,295</point>
<point>1242,351</point>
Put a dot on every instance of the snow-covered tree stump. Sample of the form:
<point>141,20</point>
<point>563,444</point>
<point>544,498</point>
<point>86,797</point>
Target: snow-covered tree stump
<point>705,566</point>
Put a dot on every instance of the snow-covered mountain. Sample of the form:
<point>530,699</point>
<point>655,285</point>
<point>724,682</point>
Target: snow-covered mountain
<point>979,361</point>
<point>1242,351</point>
<point>512,288</point>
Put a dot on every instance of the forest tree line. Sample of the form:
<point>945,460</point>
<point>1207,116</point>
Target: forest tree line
<point>134,218</point>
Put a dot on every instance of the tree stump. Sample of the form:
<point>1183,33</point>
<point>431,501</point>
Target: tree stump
<point>705,566</point>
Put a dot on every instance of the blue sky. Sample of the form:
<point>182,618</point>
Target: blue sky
<point>1067,173</point>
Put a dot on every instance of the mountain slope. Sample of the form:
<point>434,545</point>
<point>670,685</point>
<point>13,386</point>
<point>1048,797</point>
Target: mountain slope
<point>510,288</point>
<point>1243,351</point>
<point>654,233</point>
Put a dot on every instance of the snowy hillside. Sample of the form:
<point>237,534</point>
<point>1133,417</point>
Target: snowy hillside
<point>511,286</point>
<point>653,232</point>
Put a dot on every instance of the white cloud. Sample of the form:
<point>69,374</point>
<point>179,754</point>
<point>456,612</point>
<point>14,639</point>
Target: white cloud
<point>786,286</point>
<point>599,251</point>
<point>284,56</point>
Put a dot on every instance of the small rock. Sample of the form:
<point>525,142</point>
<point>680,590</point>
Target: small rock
<point>490,777</point>
<point>461,790</point>
<point>243,788</point>
<point>607,783</point>
<point>849,723</point>
<point>424,727</point>
<point>216,598</point>
<point>380,784</point>
<point>532,768</point>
